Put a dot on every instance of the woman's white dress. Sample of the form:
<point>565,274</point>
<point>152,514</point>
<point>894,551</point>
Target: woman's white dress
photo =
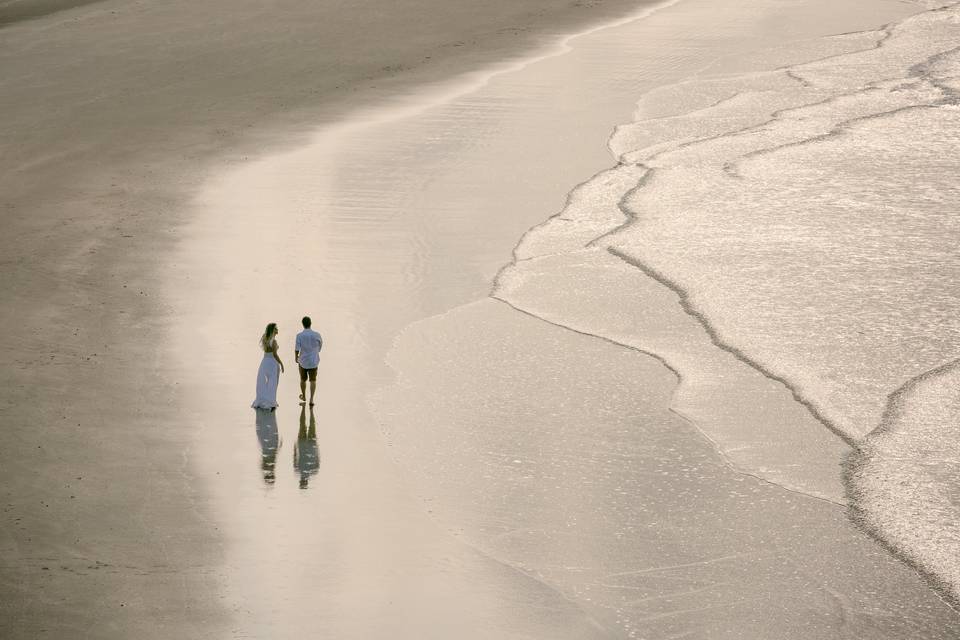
<point>268,377</point>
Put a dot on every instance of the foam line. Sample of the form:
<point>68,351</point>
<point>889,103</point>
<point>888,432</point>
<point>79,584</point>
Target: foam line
<point>924,72</point>
<point>855,464</point>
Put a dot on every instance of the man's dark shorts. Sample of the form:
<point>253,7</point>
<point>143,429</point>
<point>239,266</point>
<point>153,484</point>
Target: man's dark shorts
<point>307,372</point>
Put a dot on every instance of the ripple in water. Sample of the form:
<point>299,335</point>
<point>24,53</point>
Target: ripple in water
<point>807,215</point>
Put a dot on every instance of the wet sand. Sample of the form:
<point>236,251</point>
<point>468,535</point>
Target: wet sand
<point>510,443</point>
<point>561,458</point>
<point>114,113</point>
<point>173,530</point>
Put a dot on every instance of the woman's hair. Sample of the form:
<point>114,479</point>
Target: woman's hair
<point>268,333</point>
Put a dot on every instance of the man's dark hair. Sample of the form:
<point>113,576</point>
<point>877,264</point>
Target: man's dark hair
<point>306,322</point>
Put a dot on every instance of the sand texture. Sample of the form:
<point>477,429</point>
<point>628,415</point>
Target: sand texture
<point>113,113</point>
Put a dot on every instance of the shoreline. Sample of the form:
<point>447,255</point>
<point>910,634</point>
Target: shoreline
<point>232,202</point>
<point>867,510</point>
<point>94,197</point>
<point>880,472</point>
<point>884,470</point>
<point>365,188</point>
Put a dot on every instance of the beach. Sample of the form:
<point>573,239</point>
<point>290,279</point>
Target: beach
<point>115,113</point>
<point>552,402</point>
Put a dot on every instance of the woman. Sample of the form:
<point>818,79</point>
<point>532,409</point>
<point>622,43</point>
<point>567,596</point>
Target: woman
<point>268,376</point>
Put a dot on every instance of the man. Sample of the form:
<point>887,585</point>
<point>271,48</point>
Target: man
<point>307,356</point>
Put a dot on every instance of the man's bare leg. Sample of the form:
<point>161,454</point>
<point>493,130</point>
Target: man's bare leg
<point>313,390</point>
<point>303,390</point>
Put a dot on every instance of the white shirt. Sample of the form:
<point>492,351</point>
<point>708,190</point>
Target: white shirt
<point>309,344</point>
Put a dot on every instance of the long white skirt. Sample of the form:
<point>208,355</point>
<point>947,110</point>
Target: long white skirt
<point>268,377</point>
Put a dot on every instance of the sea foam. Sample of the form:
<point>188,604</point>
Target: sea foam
<point>805,215</point>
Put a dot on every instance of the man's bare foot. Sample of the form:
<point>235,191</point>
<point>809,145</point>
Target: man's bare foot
<point>311,403</point>
<point>301,397</point>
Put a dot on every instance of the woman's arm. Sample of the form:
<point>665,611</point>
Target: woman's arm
<point>273,350</point>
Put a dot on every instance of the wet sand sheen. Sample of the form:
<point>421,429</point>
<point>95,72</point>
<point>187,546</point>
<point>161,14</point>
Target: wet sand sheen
<point>114,113</point>
<point>560,457</point>
<point>387,223</point>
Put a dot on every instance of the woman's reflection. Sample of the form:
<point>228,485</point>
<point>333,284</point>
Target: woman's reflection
<point>306,458</point>
<point>269,439</point>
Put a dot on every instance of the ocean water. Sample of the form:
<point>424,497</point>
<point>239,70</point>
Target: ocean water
<point>806,215</point>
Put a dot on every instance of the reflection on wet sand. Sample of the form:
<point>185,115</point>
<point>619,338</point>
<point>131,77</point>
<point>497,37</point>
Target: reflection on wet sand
<point>269,439</point>
<point>306,457</point>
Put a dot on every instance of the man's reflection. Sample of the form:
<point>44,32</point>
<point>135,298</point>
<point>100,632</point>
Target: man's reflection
<point>269,439</point>
<point>306,458</point>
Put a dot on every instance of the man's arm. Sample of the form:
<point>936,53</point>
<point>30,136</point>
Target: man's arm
<point>296,350</point>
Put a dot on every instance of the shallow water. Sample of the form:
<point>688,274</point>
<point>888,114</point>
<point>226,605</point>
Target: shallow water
<point>807,216</point>
<point>557,453</point>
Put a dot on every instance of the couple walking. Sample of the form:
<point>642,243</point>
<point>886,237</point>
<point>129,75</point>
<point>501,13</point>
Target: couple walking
<point>306,355</point>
